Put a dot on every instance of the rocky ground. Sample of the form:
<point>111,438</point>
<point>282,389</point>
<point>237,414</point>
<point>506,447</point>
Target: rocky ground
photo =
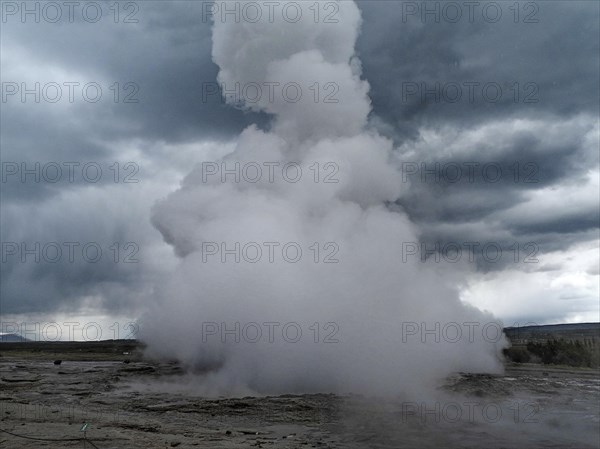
<point>146,404</point>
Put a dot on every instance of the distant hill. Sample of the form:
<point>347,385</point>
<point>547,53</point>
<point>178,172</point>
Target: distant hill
<point>6,337</point>
<point>556,344</point>
<point>583,332</point>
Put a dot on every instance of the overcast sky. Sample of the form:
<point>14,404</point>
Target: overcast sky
<point>494,118</point>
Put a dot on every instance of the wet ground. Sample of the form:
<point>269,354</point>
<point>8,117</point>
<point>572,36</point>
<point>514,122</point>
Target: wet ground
<point>144,404</point>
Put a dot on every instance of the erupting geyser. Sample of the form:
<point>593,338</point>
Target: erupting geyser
<point>253,301</point>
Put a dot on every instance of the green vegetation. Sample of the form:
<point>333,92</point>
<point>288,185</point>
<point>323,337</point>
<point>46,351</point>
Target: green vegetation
<point>557,352</point>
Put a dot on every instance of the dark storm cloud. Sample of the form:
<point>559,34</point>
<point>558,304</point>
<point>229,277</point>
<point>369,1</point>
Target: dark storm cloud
<point>417,65</point>
<point>167,55</point>
<point>399,49</point>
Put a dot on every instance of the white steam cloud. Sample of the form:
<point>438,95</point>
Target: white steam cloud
<point>360,305</point>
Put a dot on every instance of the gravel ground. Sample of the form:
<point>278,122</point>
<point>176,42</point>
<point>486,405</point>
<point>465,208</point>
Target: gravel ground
<point>145,404</point>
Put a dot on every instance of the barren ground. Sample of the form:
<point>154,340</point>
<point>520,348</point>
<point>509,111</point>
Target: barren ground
<point>143,404</point>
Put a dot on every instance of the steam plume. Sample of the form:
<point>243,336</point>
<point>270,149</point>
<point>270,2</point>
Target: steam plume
<point>365,297</point>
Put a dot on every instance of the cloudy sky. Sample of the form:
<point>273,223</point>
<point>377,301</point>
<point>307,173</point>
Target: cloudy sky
<point>493,111</point>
